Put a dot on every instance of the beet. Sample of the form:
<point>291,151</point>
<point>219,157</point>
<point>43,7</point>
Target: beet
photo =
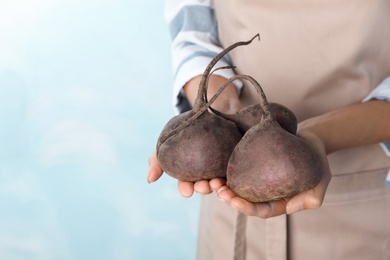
<point>284,117</point>
<point>197,144</point>
<point>269,163</point>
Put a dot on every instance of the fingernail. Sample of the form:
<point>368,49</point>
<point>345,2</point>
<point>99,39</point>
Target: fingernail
<point>294,207</point>
<point>219,191</point>
<point>222,189</point>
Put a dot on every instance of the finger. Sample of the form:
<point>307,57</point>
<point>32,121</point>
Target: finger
<point>155,171</point>
<point>217,183</point>
<point>186,188</point>
<point>311,199</point>
<point>225,193</point>
<point>202,187</point>
<point>262,209</point>
<point>306,200</point>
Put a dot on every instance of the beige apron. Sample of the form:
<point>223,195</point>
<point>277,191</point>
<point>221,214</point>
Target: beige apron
<point>313,57</point>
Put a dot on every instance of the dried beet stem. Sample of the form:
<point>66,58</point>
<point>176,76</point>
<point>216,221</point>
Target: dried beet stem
<point>199,102</point>
<point>202,109</point>
<point>201,105</point>
<point>208,79</point>
<point>263,99</point>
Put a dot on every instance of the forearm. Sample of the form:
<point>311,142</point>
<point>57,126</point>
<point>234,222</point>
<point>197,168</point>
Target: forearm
<point>228,102</point>
<point>352,126</point>
<point>194,33</point>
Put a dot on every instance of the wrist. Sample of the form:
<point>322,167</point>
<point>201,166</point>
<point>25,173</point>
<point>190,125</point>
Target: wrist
<point>310,131</point>
<point>228,101</point>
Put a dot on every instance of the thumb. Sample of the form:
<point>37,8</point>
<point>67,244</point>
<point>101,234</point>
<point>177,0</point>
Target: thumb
<point>155,170</point>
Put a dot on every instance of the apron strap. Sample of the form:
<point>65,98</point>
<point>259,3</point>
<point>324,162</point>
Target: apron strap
<point>240,237</point>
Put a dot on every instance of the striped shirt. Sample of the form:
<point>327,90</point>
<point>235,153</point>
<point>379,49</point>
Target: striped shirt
<point>194,33</point>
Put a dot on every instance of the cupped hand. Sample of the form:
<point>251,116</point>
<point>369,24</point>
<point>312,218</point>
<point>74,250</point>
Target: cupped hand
<point>186,188</point>
<point>310,199</point>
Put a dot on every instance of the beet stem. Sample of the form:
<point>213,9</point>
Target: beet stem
<point>201,105</point>
<point>202,109</point>
<point>263,102</point>
<point>208,78</point>
<point>199,102</point>
<point>260,91</point>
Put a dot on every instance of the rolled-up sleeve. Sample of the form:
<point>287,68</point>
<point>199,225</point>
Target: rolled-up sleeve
<point>194,34</point>
<point>381,92</point>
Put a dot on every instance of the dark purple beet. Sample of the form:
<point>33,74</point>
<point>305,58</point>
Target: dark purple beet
<point>196,145</point>
<point>270,163</point>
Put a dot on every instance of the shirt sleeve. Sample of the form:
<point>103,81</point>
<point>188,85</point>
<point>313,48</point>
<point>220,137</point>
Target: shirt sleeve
<point>382,92</point>
<point>194,34</point>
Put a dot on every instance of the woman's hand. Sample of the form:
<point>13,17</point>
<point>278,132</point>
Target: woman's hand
<point>355,125</point>
<point>228,102</point>
<point>310,199</point>
<point>186,188</point>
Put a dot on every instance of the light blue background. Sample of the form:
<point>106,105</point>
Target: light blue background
<point>85,89</point>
